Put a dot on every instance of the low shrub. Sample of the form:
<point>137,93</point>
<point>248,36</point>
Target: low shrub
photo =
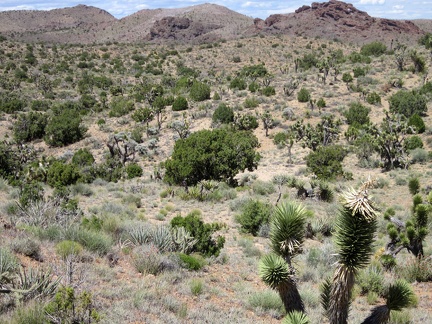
<point>133,170</point>
<point>303,95</point>
<point>253,214</point>
<point>192,262</point>
<point>180,103</point>
<point>68,248</point>
<point>223,114</point>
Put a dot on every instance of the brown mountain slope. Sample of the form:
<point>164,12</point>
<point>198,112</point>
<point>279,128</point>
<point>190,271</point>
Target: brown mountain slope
<point>206,22</point>
<point>338,20</point>
<point>68,25</point>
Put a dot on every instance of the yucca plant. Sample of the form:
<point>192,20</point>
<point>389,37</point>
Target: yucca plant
<point>287,232</point>
<point>296,318</point>
<point>398,296</point>
<point>355,228</point>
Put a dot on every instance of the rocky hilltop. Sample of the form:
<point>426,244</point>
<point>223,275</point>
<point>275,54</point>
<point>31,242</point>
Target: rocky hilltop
<point>338,20</point>
<point>204,23</point>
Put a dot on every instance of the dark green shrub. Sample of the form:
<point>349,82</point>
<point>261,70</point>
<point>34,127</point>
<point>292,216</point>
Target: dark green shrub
<point>414,186</point>
<point>192,262</point>
<point>358,71</point>
<point>180,103</point>
<point>40,105</point>
<point>373,98</point>
<point>64,128</point>
<point>303,95</point>
<point>413,142</point>
<point>253,214</point>
<point>10,104</point>
<point>238,83</point>
<point>357,114</point>
<point>268,91</point>
<point>199,91</point>
<point>417,123</point>
<point>326,161</point>
<point>121,106</point>
<point>280,138</point>
<point>347,77</point>
<point>30,126</point>
<point>133,170</point>
<point>253,87</point>
<point>83,157</point>
<point>308,61</point>
<point>254,71</point>
<point>30,192</point>
<point>374,48</point>
<point>321,103</point>
<point>223,114</point>
<point>211,155</point>
<point>61,174</point>
<point>408,103</point>
<point>203,232</point>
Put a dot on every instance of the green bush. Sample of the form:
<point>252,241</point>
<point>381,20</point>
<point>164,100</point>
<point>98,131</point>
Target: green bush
<point>251,102</point>
<point>211,155</point>
<point>223,114</point>
<point>414,186</point>
<point>64,128</point>
<point>253,214</point>
<point>68,248</point>
<point>83,157</point>
<point>347,77</point>
<point>408,103</point>
<point>30,126</point>
<point>10,104</point>
<point>121,106</point>
<point>61,174</point>
<point>280,138</point>
<point>253,87</point>
<point>373,98</point>
<point>303,95</point>
<point>417,123</point>
<point>326,161</point>
<point>357,114</point>
<point>374,48</point>
<point>268,91</point>
<point>371,280</point>
<point>202,232</point>
<point>237,83</point>
<point>321,103</point>
<point>413,142</point>
<point>180,103</point>
<point>133,170</point>
<point>199,91</point>
<point>267,300</point>
<point>8,264</point>
<point>358,71</point>
<point>192,262</point>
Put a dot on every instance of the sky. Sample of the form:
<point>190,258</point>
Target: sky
<point>393,9</point>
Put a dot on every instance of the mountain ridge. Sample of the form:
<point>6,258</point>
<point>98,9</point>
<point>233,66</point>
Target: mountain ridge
<point>204,23</point>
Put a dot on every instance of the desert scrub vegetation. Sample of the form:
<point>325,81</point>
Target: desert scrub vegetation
<point>111,149</point>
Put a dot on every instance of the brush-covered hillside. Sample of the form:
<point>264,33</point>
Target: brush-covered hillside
<point>255,180</point>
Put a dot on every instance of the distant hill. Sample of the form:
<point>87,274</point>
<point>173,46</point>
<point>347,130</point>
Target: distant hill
<point>204,23</point>
<point>338,20</point>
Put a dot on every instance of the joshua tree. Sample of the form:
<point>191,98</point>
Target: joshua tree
<point>398,295</point>
<point>287,232</point>
<point>355,229</point>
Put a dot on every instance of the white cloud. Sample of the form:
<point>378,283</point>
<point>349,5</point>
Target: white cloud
<point>372,2</point>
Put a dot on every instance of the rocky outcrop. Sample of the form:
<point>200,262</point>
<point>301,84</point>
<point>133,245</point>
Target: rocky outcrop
<point>340,20</point>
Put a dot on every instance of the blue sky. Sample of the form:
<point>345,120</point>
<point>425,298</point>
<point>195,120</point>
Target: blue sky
<point>394,9</point>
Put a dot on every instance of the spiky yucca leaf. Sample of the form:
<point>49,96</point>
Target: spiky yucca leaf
<point>359,202</point>
<point>354,237</point>
<point>287,229</point>
<point>296,317</point>
<point>399,295</point>
<point>273,270</point>
<point>326,288</point>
